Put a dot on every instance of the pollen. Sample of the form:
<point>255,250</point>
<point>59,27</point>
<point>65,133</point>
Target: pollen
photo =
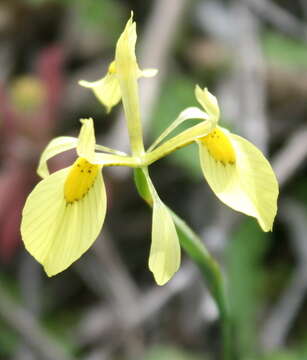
<point>112,68</point>
<point>219,147</point>
<point>80,179</point>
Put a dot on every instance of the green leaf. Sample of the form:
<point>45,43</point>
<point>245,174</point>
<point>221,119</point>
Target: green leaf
<point>243,255</point>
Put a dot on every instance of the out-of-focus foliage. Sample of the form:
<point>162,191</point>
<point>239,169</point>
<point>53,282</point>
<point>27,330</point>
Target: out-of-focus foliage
<point>284,51</point>
<point>104,16</point>
<point>244,257</point>
<point>166,353</point>
<point>8,341</point>
<point>85,309</point>
<point>299,354</point>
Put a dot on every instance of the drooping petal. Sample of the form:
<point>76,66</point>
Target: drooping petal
<point>55,147</point>
<point>107,90</point>
<point>86,140</point>
<point>247,184</point>
<point>164,258</point>
<point>56,232</point>
<point>208,101</point>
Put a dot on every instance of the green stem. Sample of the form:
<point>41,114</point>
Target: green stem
<point>209,268</point>
<point>212,275</point>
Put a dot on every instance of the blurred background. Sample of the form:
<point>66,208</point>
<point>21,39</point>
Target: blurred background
<point>252,54</point>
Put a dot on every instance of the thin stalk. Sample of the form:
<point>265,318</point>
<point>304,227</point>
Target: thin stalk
<point>142,160</point>
<point>209,268</point>
<point>212,276</point>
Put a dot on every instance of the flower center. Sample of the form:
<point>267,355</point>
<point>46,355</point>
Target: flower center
<point>80,179</point>
<point>219,147</point>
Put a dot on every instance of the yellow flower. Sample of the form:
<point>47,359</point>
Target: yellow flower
<point>28,94</point>
<point>237,172</point>
<point>107,89</point>
<point>65,212</point>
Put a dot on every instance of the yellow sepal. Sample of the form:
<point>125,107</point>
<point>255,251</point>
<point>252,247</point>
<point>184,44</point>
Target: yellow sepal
<point>248,185</point>
<point>55,147</point>
<point>57,233</point>
<point>106,90</point>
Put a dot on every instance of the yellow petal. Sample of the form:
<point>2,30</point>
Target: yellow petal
<point>164,258</point>
<point>55,147</point>
<point>208,101</point>
<point>57,233</point>
<point>247,185</point>
<point>127,72</point>
<point>86,140</point>
<point>148,73</point>
<point>187,114</point>
<point>107,90</point>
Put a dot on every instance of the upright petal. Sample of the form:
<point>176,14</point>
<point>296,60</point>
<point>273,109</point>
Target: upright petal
<point>57,232</point>
<point>86,140</point>
<point>164,258</point>
<point>243,180</point>
<point>187,114</point>
<point>55,147</point>
<point>127,73</point>
<point>208,101</point>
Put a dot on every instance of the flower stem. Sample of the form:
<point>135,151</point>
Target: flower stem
<point>212,275</point>
<point>209,268</point>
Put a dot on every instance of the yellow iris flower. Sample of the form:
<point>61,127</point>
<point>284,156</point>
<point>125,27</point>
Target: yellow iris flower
<point>237,172</point>
<point>65,212</point>
<point>107,89</point>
